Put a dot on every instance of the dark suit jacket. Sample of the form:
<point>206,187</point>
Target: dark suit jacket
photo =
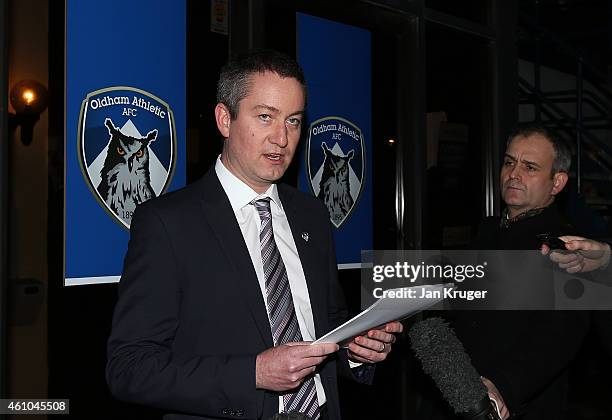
<point>526,354</point>
<point>191,318</point>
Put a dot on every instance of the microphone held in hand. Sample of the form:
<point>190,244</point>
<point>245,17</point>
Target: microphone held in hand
<point>444,359</point>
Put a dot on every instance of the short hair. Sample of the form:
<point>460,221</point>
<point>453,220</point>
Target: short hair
<point>563,157</point>
<point>235,78</point>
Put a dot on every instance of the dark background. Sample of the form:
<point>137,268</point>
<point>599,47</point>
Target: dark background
<point>427,56</point>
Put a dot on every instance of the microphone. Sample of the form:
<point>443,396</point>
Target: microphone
<point>444,359</point>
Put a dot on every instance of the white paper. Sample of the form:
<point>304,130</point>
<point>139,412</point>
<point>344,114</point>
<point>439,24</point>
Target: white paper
<point>385,310</point>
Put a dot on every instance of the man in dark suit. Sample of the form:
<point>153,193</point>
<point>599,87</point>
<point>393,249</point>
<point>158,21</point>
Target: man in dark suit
<point>227,280</point>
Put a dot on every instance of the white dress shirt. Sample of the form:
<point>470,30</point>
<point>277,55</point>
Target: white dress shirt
<point>240,196</point>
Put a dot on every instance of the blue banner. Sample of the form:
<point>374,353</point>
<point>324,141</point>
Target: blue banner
<point>125,124</point>
<point>337,151</point>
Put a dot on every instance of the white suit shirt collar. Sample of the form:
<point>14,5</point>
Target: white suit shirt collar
<point>239,193</point>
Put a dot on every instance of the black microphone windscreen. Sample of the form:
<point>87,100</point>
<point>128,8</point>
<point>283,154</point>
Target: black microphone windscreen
<point>444,359</point>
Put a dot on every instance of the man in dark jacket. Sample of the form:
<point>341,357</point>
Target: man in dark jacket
<point>221,294</point>
<point>525,354</point>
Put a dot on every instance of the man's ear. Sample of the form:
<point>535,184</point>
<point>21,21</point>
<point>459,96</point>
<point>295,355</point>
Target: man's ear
<point>223,119</point>
<point>559,181</point>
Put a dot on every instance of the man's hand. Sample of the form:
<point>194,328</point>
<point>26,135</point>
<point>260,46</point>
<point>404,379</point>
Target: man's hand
<point>496,395</point>
<point>284,367</point>
<point>375,345</point>
<point>582,255</point>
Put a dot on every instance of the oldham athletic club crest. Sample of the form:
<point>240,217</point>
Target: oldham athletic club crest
<point>127,148</point>
<point>335,158</point>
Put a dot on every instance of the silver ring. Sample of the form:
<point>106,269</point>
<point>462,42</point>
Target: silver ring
<point>382,348</point>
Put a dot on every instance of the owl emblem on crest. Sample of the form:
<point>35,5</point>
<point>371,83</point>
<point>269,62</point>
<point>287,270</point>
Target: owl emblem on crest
<point>125,177</point>
<point>127,148</point>
<point>335,164</point>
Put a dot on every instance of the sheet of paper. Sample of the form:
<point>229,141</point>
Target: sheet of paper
<point>385,310</point>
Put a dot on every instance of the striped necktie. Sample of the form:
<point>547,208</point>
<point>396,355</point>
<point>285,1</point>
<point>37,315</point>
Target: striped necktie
<point>281,313</point>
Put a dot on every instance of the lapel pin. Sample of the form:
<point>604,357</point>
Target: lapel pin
<point>305,236</point>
